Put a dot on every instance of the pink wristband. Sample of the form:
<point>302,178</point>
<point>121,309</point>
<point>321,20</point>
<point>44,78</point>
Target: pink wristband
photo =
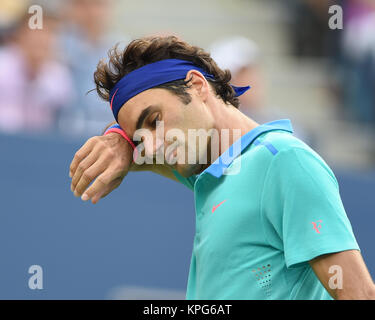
<point>123,134</point>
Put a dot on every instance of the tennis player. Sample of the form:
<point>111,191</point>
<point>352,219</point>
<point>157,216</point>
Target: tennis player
<point>270,223</point>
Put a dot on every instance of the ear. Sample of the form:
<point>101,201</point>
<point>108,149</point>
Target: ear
<point>198,83</point>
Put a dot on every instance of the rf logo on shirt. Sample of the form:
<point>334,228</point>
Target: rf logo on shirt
<point>317,225</point>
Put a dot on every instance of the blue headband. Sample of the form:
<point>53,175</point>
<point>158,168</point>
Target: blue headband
<point>152,75</point>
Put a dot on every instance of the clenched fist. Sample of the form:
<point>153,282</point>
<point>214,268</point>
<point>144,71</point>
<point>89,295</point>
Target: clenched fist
<point>105,159</point>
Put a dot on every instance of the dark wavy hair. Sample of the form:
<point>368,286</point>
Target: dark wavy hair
<point>147,50</point>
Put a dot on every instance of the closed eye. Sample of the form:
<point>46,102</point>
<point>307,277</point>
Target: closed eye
<point>153,122</point>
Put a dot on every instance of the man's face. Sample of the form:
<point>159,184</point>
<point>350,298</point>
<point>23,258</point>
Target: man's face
<point>145,109</point>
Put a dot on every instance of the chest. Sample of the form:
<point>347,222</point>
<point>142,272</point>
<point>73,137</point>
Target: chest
<point>228,220</point>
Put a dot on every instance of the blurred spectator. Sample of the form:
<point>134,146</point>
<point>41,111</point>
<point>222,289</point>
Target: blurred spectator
<point>34,86</point>
<point>10,13</point>
<point>84,40</point>
<point>357,65</point>
<point>242,57</point>
<point>351,50</point>
<point>309,30</point>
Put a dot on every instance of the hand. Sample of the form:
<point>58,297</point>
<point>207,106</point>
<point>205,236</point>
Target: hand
<point>105,159</point>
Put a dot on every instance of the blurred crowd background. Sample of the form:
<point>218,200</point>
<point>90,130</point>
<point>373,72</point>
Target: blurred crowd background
<point>298,68</point>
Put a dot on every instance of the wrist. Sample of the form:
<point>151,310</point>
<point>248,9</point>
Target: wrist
<point>115,128</point>
<point>108,126</point>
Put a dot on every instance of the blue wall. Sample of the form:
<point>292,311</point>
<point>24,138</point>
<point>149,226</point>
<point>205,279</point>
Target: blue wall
<point>140,235</point>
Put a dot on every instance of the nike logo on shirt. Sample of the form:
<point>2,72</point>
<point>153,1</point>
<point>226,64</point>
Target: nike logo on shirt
<point>215,207</point>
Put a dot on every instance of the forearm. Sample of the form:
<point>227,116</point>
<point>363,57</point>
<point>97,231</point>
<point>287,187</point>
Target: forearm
<point>156,168</point>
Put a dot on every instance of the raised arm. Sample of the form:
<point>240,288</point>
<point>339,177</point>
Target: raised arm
<point>105,161</point>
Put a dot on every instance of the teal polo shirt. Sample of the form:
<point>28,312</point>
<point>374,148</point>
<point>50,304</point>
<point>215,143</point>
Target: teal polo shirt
<point>264,208</point>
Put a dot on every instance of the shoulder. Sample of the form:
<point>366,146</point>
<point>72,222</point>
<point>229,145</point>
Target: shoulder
<point>295,164</point>
<point>281,145</point>
<point>283,141</point>
<point>273,145</point>
<point>281,153</point>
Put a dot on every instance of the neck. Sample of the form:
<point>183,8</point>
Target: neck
<point>227,118</point>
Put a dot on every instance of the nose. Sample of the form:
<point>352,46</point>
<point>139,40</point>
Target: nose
<point>152,148</point>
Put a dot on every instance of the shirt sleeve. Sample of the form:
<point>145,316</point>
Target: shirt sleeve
<point>302,209</point>
<point>188,182</point>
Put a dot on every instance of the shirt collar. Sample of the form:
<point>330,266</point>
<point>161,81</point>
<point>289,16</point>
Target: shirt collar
<point>216,169</point>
